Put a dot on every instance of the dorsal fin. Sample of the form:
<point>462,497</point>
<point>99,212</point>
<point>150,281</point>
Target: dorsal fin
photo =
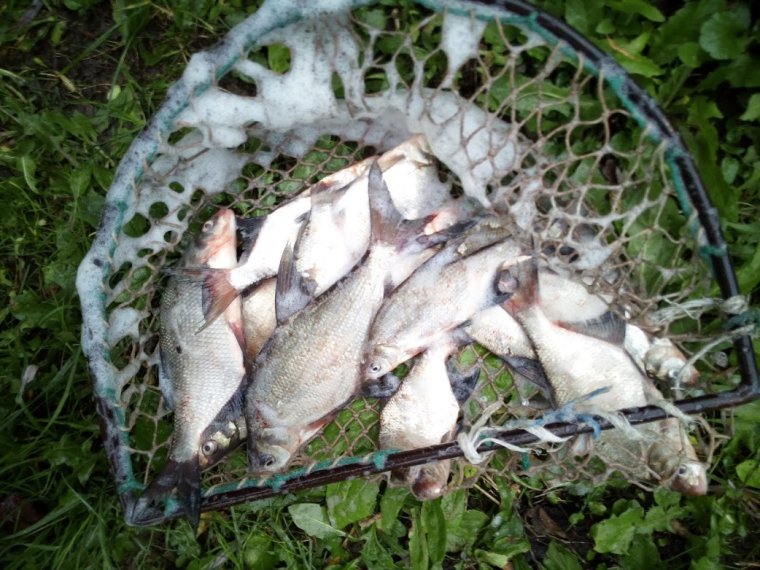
<point>385,220</point>
<point>293,291</point>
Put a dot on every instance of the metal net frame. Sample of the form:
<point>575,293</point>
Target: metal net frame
<point>528,116</point>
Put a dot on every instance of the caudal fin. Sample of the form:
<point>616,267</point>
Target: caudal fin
<point>182,476</point>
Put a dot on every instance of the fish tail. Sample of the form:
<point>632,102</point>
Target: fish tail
<point>184,476</point>
<point>520,283</point>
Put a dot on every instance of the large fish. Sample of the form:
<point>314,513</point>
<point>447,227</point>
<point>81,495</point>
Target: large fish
<point>338,204</point>
<point>259,319</point>
<point>445,292</point>
<point>421,413</point>
<point>309,368</point>
<point>576,364</point>
<point>201,375</point>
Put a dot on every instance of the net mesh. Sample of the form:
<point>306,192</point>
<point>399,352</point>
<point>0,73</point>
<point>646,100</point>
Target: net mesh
<point>514,120</point>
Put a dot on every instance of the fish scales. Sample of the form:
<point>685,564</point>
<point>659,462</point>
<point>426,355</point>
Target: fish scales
<point>442,294</point>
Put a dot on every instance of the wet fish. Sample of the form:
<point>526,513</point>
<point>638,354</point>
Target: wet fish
<point>660,358</point>
<point>309,368</point>
<point>665,453</point>
<point>259,318</point>
<point>575,364</point>
<point>421,413</point>
<point>441,295</point>
<point>337,206</point>
<point>201,374</point>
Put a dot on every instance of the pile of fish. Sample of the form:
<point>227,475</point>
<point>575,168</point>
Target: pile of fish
<point>370,267</point>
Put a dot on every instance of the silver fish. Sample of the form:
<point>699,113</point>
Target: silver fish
<point>201,374</point>
<point>259,318</point>
<point>660,358</point>
<point>309,368</point>
<point>338,203</point>
<point>575,364</point>
<point>664,452</point>
<point>445,292</point>
<point>421,413</point>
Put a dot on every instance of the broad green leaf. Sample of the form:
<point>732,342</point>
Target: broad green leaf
<point>642,7</point>
<point>749,473</point>
<point>374,555</point>
<point>312,519</point>
<point>462,532</point>
<point>723,35</point>
<point>434,525</point>
<point>418,548</point>
<point>351,501</point>
<point>390,504</point>
<point>688,52</point>
<point>753,109</point>
<point>642,555</point>
<point>259,552</point>
<point>559,557</point>
<point>616,533</point>
<point>28,168</point>
<point>582,15</point>
<point>501,559</point>
<point>278,58</point>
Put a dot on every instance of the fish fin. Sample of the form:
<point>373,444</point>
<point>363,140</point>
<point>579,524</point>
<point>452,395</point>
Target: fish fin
<point>293,291</point>
<point>250,228</point>
<point>185,477</point>
<point>237,329</point>
<point>216,294</point>
<point>462,383</point>
<point>531,370</point>
<point>453,231</point>
<point>609,327</point>
<point>520,283</point>
<point>164,381</point>
<point>383,387</point>
<point>385,220</point>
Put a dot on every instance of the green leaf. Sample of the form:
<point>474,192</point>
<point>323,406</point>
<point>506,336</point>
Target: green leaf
<point>749,473</point>
<point>639,7</point>
<point>616,533</point>
<point>462,532</point>
<point>28,168</point>
<point>501,559</point>
<point>374,554</point>
<point>582,15</point>
<point>390,505</point>
<point>723,37</point>
<point>642,555</point>
<point>688,53</point>
<point>278,58</point>
<point>259,552</point>
<point>434,525</point>
<point>351,501</point>
<point>753,109</point>
<point>559,557</point>
<point>312,519</point>
<point>418,548</point>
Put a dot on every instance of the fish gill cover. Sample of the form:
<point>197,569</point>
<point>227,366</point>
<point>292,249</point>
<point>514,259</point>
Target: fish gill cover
<point>527,124</point>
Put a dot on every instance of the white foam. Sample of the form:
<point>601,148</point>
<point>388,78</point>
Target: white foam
<point>460,39</point>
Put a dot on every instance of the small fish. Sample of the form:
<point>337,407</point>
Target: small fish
<point>421,413</point>
<point>309,368</point>
<point>659,357</point>
<point>575,364</point>
<point>664,453</point>
<point>338,206</point>
<point>444,293</point>
<point>201,375</point>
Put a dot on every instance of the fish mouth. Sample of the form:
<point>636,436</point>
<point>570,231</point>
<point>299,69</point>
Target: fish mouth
<point>182,476</point>
<point>224,225</point>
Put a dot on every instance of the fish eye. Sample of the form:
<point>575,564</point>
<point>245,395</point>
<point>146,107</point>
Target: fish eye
<point>208,225</point>
<point>682,470</point>
<point>209,447</point>
<point>375,368</point>
<point>266,460</point>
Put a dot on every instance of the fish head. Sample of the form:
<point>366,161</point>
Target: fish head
<point>428,481</point>
<point>380,360</point>
<point>217,441</point>
<point>217,233</point>
<point>271,449</point>
<point>690,478</point>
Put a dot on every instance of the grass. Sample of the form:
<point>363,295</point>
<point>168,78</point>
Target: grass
<point>78,81</point>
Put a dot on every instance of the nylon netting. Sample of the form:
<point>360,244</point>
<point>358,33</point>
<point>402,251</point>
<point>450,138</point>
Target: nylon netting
<point>514,120</point>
